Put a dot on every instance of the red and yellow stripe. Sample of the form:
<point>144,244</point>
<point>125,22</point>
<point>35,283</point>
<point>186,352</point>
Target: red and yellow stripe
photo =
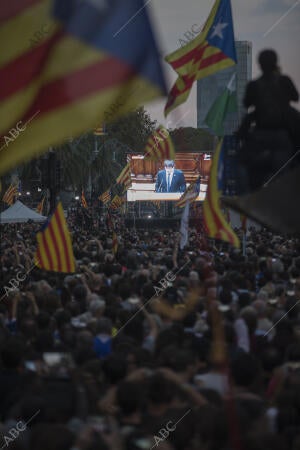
<point>83,200</point>
<point>40,206</point>
<point>243,220</point>
<point>125,176</point>
<point>116,202</point>
<point>100,131</point>
<point>54,246</point>
<point>188,196</point>
<point>160,145</point>
<point>66,85</point>
<point>10,194</point>
<point>195,61</point>
<point>105,197</point>
<point>193,51</point>
<point>214,220</point>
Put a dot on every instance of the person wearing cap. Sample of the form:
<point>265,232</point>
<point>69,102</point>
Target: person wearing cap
<point>170,179</point>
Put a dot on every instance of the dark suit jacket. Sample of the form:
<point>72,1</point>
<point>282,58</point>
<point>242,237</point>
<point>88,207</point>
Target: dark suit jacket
<point>177,185</point>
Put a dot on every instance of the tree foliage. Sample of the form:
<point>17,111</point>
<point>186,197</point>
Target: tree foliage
<point>75,156</point>
<point>192,140</point>
<point>103,157</point>
<point>133,129</point>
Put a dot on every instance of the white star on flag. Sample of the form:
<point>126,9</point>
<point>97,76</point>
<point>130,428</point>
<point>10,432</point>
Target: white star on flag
<point>218,30</point>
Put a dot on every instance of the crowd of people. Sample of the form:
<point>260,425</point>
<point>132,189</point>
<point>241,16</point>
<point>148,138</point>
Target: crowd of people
<point>123,354</point>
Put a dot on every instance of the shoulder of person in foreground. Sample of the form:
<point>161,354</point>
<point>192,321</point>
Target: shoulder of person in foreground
<point>289,86</point>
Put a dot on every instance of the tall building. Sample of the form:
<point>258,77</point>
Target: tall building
<point>211,87</point>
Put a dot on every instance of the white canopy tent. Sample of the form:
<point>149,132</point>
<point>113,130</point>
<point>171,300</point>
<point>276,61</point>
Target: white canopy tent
<point>19,213</point>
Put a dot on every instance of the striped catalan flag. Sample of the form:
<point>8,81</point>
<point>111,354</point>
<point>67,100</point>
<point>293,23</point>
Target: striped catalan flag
<point>10,194</point>
<point>64,84</point>
<point>160,145</point>
<point>116,202</point>
<point>105,197</point>
<point>214,220</point>
<point>243,220</point>
<point>40,206</point>
<point>115,242</point>
<point>190,194</point>
<point>54,246</point>
<point>125,177</point>
<point>212,50</point>
<point>83,200</point>
<point>100,131</point>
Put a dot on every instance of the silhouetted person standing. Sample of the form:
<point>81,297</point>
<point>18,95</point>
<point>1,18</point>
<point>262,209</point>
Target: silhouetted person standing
<point>271,95</point>
<point>270,131</point>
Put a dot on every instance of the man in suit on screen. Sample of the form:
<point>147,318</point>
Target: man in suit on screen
<point>170,179</point>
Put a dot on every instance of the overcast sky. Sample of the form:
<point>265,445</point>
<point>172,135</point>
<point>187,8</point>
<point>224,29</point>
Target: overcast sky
<point>252,20</point>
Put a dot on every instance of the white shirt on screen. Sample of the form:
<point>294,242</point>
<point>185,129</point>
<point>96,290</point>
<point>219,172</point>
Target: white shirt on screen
<point>169,180</point>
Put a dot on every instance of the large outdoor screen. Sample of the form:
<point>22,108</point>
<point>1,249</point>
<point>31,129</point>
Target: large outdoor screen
<point>161,180</point>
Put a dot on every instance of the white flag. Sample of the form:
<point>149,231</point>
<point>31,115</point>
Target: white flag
<point>184,226</point>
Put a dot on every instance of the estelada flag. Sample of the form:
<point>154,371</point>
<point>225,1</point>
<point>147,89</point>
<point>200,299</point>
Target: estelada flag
<point>54,246</point>
<point>160,145</point>
<point>125,176</point>
<point>87,58</point>
<point>212,50</point>
<point>214,220</point>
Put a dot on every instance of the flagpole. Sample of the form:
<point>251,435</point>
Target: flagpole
<point>134,220</point>
<point>244,243</point>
